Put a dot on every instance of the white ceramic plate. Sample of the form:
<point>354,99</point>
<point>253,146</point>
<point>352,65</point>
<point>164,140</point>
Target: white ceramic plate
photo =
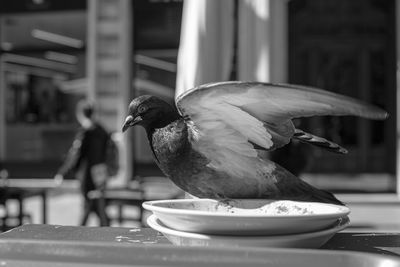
<point>306,240</point>
<point>245,217</point>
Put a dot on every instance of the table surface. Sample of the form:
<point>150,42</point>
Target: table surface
<point>31,240</point>
<point>380,243</point>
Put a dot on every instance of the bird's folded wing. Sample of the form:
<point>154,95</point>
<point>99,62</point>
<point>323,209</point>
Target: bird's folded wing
<point>226,145</point>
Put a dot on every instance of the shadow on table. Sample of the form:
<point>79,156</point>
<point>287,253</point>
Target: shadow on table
<point>381,243</point>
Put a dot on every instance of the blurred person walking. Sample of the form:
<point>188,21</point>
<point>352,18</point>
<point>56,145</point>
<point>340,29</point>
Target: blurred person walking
<point>86,161</point>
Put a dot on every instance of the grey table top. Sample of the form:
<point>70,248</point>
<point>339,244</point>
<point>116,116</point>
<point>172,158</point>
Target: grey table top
<point>118,246</point>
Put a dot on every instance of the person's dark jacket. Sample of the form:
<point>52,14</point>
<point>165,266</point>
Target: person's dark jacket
<point>88,149</point>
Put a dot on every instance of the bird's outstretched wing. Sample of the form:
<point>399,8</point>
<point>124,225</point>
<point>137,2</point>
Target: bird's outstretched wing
<point>230,119</point>
<point>276,103</point>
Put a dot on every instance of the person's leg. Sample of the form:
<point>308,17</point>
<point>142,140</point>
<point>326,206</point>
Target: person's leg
<point>87,208</point>
<point>100,210</point>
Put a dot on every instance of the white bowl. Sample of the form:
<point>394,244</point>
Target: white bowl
<point>245,217</point>
<point>305,240</point>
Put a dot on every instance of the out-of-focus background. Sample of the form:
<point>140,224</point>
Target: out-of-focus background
<point>54,53</point>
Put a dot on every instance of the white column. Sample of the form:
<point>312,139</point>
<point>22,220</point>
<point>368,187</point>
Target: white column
<point>109,70</point>
<point>2,111</point>
<point>262,40</point>
<point>126,78</point>
<point>398,94</point>
<point>206,44</point>
<point>91,50</point>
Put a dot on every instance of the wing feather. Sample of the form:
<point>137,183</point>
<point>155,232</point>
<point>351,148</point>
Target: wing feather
<point>279,102</point>
<point>227,150</point>
<point>229,119</point>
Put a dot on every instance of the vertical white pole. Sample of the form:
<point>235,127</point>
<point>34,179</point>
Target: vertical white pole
<point>112,64</point>
<point>2,111</point>
<point>398,95</point>
<point>263,49</point>
<point>91,50</point>
<point>126,75</point>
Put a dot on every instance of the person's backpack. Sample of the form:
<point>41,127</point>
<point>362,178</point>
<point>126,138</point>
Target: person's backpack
<point>112,157</point>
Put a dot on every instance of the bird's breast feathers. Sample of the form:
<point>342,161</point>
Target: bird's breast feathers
<point>170,139</point>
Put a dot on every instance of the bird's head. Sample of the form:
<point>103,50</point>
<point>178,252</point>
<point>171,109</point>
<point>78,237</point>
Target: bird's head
<point>149,112</point>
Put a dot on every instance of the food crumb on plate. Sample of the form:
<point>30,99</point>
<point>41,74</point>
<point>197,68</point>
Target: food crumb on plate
<point>272,208</point>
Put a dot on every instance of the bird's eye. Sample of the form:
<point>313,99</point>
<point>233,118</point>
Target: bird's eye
<point>142,109</point>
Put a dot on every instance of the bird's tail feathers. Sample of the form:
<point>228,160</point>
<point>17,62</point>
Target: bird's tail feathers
<point>291,187</point>
<point>318,141</point>
<point>303,191</point>
<point>324,196</point>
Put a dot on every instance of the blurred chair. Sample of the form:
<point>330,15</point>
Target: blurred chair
<point>119,197</point>
<point>134,194</point>
<point>7,219</point>
<point>3,209</point>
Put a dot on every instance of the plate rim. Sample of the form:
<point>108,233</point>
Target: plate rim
<point>149,205</point>
<point>154,222</point>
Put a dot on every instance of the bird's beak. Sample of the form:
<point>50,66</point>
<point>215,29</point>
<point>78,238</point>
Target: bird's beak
<point>131,121</point>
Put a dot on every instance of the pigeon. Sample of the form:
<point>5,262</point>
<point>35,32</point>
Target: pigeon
<point>210,144</point>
